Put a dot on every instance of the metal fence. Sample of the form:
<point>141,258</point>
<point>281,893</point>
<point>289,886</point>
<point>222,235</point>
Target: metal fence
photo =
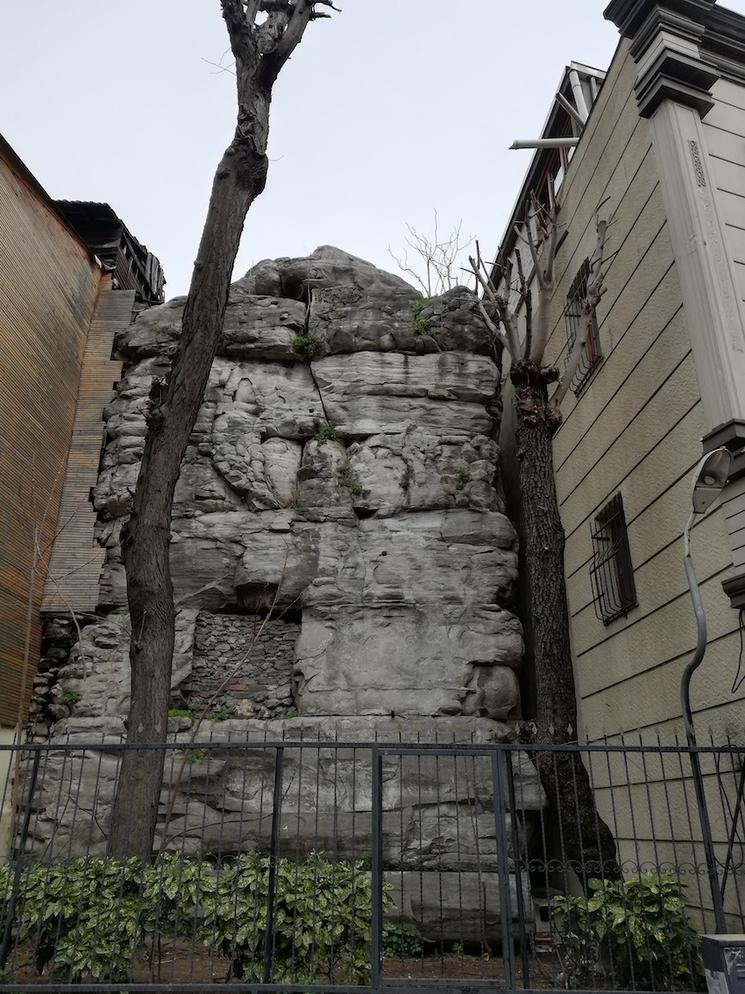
<point>369,866</point>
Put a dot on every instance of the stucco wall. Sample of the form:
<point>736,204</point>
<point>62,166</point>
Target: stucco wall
<point>48,288</point>
<point>724,133</point>
<point>724,128</point>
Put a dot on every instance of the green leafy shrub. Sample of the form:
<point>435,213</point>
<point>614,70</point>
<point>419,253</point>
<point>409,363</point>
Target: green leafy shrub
<point>306,345</point>
<point>632,932</point>
<point>69,698</point>
<point>85,918</point>
<point>401,942</point>
<point>88,919</point>
<point>322,919</point>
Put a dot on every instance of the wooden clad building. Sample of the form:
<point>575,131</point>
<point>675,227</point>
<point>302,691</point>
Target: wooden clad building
<point>55,299</point>
<point>49,282</point>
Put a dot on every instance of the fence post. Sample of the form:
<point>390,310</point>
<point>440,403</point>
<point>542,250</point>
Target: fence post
<point>376,868</point>
<point>517,858</point>
<point>10,914</point>
<point>273,863</point>
<point>503,864</point>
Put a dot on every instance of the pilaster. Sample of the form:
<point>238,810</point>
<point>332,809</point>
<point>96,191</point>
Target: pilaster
<point>675,77</point>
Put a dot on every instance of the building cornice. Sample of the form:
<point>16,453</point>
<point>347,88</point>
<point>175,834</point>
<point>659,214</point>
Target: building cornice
<point>724,41</point>
<point>670,47</point>
<point>734,588</point>
<point>629,15</point>
<point>730,436</point>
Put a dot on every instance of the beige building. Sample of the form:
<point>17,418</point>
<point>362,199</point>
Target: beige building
<point>662,153</point>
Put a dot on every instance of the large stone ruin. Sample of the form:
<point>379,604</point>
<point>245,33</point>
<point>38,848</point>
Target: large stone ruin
<point>343,472</point>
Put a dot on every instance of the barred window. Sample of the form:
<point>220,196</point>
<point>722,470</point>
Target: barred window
<point>612,571</point>
<point>575,319</point>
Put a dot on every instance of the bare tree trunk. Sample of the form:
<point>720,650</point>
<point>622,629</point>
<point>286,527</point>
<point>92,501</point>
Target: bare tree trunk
<point>260,51</point>
<point>174,407</point>
<point>588,842</point>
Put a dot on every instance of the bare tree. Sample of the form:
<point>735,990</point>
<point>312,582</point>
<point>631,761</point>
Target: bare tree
<point>263,35</point>
<point>521,327</point>
<point>439,258</point>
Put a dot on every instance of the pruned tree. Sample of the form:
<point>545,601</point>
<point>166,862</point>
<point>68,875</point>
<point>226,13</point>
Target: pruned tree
<point>438,268</point>
<point>519,324</point>
<point>263,35</point>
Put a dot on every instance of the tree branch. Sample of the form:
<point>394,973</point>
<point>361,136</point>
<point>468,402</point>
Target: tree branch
<point>505,317</point>
<point>530,242</point>
<point>596,288</point>
<point>547,218</point>
<point>252,9</point>
<point>239,31</point>
<point>290,28</point>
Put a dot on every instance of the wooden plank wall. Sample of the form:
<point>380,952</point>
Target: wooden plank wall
<point>48,288</point>
<point>75,568</point>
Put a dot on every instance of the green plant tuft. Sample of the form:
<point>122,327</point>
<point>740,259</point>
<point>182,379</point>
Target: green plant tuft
<point>633,933</point>
<point>180,713</point>
<point>306,345</point>
<point>463,478</point>
<point>69,698</point>
<point>422,325</point>
<point>327,433</point>
<point>346,479</point>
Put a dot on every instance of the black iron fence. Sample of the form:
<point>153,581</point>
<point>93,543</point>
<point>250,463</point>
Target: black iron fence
<point>369,866</point>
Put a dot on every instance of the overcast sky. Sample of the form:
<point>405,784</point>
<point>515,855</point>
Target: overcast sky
<point>394,108</point>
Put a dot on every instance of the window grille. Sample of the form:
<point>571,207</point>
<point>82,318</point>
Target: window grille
<point>575,319</point>
<point>612,572</point>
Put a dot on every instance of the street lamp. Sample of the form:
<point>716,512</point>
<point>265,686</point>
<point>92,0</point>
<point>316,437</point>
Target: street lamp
<point>709,480</point>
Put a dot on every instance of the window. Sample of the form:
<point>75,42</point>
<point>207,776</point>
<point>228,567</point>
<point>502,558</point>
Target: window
<point>612,571</point>
<point>575,318</point>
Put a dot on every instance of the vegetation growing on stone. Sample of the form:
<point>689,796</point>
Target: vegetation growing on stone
<point>69,698</point>
<point>306,345</point>
<point>422,325</point>
<point>326,433</point>
<point>346,479</point>
<point>463,478</point>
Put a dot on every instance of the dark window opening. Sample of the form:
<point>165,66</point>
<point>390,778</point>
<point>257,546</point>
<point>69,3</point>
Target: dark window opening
<point>612,572</point>
<point>576,322</point>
